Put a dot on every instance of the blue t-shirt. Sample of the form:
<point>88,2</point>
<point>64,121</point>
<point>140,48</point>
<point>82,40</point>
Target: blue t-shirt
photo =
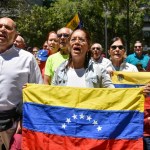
<point>134,59</point>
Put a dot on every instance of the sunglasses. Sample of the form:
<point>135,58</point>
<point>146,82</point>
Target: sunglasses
<point>95,48</point>
<point>137,46</point>
<point>63,34</point>
<point>121,47</point>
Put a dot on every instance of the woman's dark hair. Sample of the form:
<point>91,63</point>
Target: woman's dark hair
<point>88,55</point>
<point>116,39</point>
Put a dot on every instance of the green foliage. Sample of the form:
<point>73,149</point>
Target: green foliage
<point>35,24</point>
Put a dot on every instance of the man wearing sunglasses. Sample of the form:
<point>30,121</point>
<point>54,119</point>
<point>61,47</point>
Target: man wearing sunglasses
<point>56,59</point>
<point>138,58</point>
<point>97,57</point>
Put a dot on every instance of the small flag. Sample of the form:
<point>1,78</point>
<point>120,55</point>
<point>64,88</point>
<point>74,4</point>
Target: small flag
<point>75,23</point>
<point>130,79</point>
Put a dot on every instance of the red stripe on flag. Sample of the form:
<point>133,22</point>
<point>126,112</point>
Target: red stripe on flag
<point>41,141</point>
<point>146,116</point>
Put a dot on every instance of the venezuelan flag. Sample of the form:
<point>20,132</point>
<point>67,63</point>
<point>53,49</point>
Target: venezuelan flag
<point>75,23</point>
<point>130,79</point>
<point>64,118</point>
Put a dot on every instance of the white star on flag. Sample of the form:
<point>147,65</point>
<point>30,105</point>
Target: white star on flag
<point>99,128</point>
<point>95,122</point>
<point>89,118</point>
<point>74,116</point>
<point>63,126</point>
<point>81,116</point>
<point>68,120</point>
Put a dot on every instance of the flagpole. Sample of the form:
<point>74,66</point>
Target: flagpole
<point>105,30</point>
<point>106,34</point>
<point>128,28</point>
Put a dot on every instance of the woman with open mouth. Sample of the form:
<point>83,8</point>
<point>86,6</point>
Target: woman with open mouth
<point>78,70</point>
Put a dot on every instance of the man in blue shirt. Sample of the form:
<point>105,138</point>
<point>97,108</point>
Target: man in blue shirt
<point>138,58</point>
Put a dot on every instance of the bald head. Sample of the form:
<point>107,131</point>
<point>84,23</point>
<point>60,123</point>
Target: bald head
<point>63,35</point>
<point>68,30</point>
<point>8,33</point>
<point>9,21</point>
<point>96,50</point>
<point>19,42</point>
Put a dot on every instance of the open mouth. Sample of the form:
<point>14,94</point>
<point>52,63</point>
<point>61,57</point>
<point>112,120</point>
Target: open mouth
<point>77,49</point>
<point>2,36</point>
<point>117,55</point>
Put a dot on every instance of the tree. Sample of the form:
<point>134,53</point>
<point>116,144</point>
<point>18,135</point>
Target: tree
<point>36,24</point>
<point>12,8</point>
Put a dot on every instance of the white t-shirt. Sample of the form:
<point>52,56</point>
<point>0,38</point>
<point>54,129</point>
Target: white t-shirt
<point>76,77</point>
<point>106,63</point>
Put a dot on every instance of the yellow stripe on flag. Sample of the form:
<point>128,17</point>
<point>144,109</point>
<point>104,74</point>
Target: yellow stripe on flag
<point>120,77</point>
<point>73,24</point>
<point>85,98</point>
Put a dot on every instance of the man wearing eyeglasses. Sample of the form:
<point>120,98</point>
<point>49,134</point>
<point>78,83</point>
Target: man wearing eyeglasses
<point>56,59</point>
<point>17,67</point>
<point>96,50</point>
<point>138,58</point>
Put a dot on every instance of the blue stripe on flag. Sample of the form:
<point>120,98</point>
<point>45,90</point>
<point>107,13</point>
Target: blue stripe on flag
<point>127,85</point>
<point>83,122</point>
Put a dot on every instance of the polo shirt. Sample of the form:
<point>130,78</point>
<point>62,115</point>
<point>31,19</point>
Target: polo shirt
<point>134,59</point>
<point>53,62</point>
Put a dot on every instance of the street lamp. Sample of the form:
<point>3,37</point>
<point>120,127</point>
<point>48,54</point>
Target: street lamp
<point>105,28</point>
<point>146,26</point>
<point>106,34</point>
<point>128,28</point>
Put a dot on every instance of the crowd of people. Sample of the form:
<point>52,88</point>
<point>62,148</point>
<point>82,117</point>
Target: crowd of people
<point>67,58</point>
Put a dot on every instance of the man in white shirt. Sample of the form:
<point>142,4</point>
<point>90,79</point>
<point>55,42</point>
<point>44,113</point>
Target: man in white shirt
<point>17,67</point>
<point>20,42</point>
<point>96,50</point>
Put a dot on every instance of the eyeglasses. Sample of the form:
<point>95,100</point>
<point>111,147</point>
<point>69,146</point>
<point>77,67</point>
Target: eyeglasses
<point>79,39</point>
<point>137,46</point>
<point>121,47</point>
<point>6,27</point>
<point>96,48</point>
<point>63,34</point>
